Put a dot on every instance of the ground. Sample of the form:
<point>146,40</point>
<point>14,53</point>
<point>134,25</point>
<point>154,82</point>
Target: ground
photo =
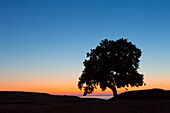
<point>77,105</point>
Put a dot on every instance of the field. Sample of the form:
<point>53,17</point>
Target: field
<point>126,103</point>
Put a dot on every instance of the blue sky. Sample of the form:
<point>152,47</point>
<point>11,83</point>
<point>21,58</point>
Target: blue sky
<point>49,39</point>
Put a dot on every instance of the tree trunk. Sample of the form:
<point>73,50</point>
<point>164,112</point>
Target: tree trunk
<point>114,90</point>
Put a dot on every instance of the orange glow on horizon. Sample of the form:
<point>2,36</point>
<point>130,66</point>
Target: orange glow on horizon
<point>71,88</point>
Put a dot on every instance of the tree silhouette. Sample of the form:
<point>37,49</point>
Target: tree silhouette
<point>112,64</point>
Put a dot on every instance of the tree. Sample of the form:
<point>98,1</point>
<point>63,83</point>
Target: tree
<point>112,64</point>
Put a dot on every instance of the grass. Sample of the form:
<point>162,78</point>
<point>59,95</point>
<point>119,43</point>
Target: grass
<point>134,106</point>
<point>153,105</point>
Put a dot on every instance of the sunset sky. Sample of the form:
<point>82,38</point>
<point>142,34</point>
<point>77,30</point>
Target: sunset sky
<point>43,43</point>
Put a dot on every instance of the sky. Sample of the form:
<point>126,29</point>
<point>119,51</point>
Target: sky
<point>43,43</point>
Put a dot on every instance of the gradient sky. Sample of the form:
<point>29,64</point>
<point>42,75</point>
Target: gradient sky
<point>43,43</point>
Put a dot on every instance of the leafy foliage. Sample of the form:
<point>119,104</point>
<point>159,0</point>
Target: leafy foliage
<point>110,64</point>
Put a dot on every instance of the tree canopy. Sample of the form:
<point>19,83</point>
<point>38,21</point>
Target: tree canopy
<point>112,64</point>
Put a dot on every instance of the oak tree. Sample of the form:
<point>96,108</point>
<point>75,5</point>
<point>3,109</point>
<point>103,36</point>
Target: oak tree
<point>112,64</point>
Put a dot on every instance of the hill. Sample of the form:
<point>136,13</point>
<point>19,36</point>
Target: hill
<point>142,101</point>
<point>18,97</point>
<point>150,94</point>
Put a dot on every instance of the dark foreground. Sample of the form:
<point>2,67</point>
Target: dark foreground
<point>130,102</point>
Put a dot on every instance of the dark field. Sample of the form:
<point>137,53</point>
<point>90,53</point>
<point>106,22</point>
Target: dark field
<point>146,101</point>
